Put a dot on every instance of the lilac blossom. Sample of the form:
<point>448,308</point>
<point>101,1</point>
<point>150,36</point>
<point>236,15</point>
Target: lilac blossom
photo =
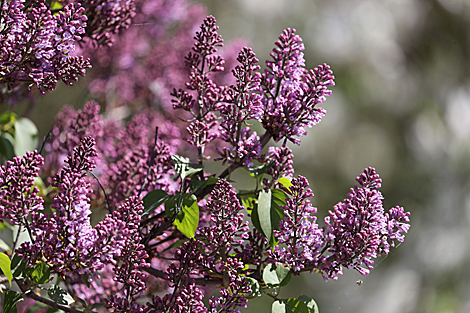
<point>66,238</point>
<point>359,230</point>
<point>130,255</point>
<point>292,92</point>
<point>36,45</point>
<point>300,238</point>
<point>282,164</point>
<point>202,62</point>
<point>18,195</point>
<point>245,149</point>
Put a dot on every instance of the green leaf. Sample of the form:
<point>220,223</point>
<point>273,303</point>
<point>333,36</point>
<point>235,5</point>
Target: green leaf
<point>264,212</point>
<point>311,304</point>
<point>196,183</point>
<point>18,266</point>
<point>270,213</point>
<point>5,266</point>
<point>40,273</point>
<point>153,200</point>
<point>52,310</point>
<point>26,136</point>
<point>276,275</point>
<point>247,199</point>
<point>285,182</point>
<point>260,169</point>
<point>7,143</point>
<point>59,295</point>
<point>188,215</point>
<point>255,218</point>
<point>291,305</point>
<point>184,168</point>
<point>255,288</point>
<point>8,118</point>
<point>10,301</point>
<point>97,305</point>
<point>55,5</point>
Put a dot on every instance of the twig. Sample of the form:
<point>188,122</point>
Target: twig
<point>51,303</point>
<point>198,281</point>
<point>152,158</point>
<point>105,195</point>
<point>45,139</point>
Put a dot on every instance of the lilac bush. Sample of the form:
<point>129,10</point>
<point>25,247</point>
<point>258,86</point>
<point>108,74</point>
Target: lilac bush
<point>127,218</point>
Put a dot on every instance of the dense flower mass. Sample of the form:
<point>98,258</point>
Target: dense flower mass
<point>299,236</point>
<point>18,195</point>
<point>36,45</point>
<point>292,92</point>
<point>123,221</point>
<point>359,230</point>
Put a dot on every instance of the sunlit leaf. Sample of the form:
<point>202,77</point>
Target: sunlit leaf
<point>276,275</point>
<point>26,136</point>
<point>289,306</point>
<point>184,168</point>
<point>310,303</point>
<point>188,215</point>
<point>5,266</point>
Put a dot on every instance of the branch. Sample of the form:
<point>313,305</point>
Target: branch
<point>51,303</point>
<point>198,281</point>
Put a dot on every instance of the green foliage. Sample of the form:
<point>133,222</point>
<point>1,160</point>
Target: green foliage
<point>291,305</point>
<point>39,273</point>
<point>268,213</point>
<point>10,301</point>
<point>311,304</point>
<point>285,182</point>
<point>187,210</point>
<point>17,135</point>
<point>255,288</point>
<point>5,266</point>
<point>184,168</point>
<point>276,275</point>
<point>153,200</point>
<point>59,295</point>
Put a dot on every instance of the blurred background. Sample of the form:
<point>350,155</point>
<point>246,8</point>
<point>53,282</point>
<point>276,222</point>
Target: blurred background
<point>401,104</point>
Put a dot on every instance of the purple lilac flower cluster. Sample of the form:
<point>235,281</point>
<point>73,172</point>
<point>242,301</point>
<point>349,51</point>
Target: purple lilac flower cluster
<point>291,92</point>
<point>284,98</point>
<point>123,150</point>
<point>130,256</point>
<point>358,230</point>
<point>17,198</point>
<point>36,45</point>
<point>300,238</point>
<point>66,238</point>
<point>210,255</point>
<point>203,95</point>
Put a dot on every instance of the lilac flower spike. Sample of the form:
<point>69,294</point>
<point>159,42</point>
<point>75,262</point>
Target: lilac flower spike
<point>18,197</point>
<point>300,238</point>
<point>66,238</point>
<point>293,92</point>
<point>359,230</point>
